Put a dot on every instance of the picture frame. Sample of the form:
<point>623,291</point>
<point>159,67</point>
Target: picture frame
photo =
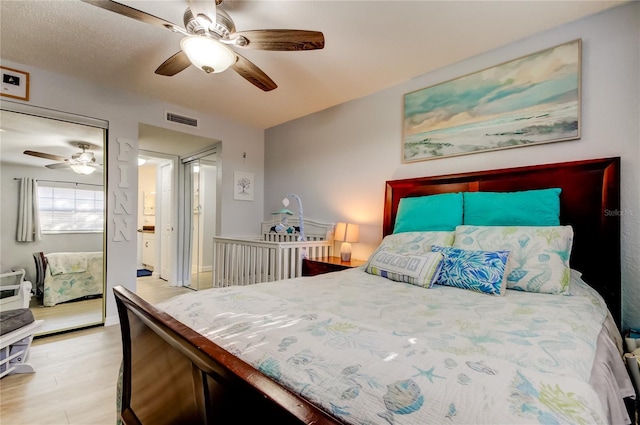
<point>15,83</point>
<point>243,186</point>
<point>527,101</point>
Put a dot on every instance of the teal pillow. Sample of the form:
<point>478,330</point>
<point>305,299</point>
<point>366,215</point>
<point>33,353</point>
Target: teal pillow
<point>441,212</point>
<point>526,208</point>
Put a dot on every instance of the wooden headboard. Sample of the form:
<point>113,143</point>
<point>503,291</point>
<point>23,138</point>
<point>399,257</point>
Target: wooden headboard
<point>590,202</point>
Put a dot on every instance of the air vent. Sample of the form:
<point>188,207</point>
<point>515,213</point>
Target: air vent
<point>180,119</point>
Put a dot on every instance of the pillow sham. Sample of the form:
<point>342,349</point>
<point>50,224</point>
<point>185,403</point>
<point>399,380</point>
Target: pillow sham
<point>539,260</point>
<point>415,243</point>
<point>479,271</point>
<point>524,208</point>
<point>418,270</point>
<point>441,212</point>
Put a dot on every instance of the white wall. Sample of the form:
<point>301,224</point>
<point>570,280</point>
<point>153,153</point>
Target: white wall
<point>338,160</point>
<point>124,111</point>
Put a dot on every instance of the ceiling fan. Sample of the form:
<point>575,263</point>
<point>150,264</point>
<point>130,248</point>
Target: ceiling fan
<point>80,162</point>
<point>209,35</point>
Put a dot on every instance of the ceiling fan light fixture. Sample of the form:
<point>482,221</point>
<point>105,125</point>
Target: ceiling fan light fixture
<point>208,54</point>
<point>83,169</point>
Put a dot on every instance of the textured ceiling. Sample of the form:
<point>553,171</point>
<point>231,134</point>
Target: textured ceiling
<point>22,132</point>
<point>370,45</point>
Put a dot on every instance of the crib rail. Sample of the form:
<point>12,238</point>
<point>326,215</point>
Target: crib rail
<point>244,261</point>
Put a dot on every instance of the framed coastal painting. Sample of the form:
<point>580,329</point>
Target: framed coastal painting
<point>527,101</point>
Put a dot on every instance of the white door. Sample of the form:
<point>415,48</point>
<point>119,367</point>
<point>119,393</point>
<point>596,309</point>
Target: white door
<point>166,182</point>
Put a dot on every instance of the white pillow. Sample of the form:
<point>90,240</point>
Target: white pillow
<point>539,259</point>
<point>419,270</point>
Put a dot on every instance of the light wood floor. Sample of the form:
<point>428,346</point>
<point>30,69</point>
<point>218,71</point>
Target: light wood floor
<point>76,374</point>
<point>157,290</point>
<point>67,315</point>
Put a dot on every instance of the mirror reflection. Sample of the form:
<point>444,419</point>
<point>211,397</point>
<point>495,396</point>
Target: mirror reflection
<point>52,223</point>
<point>202,174</point>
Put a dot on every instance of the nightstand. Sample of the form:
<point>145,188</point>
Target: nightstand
<point>316,266</point>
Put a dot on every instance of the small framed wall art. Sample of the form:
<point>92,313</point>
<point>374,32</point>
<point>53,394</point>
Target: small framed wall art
<point>243,186</point>
<point>15,84</point>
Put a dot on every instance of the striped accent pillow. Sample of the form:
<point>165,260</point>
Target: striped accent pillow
<point>418,270</point>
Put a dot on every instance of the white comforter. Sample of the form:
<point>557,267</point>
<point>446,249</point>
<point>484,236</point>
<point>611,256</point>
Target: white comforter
<point>72,275</point>
<point>369,350</point>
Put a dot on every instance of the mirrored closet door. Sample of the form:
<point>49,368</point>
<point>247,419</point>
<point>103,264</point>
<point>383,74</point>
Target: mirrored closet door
<point>200,188</point>
<point>53,164</point>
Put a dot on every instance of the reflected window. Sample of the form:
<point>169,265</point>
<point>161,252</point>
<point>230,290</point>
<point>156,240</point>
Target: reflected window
<point>70,210</point>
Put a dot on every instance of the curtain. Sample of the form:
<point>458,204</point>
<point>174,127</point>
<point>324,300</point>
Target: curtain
<point>28,219</point>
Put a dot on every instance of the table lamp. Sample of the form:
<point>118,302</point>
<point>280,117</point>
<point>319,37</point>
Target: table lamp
<point>347,233</point>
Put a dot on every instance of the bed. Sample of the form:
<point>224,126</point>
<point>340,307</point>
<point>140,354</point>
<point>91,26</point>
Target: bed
<point>69,276</point>
<point>312,350</point>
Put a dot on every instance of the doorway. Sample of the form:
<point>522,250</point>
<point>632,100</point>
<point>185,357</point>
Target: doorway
<point>155,214</point>
<point>182,247</point>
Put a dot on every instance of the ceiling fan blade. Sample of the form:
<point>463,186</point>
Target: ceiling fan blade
<point>282,40</point>
<point>250,72</point>
<point>173,65</point>
<point>132,13</point>
<point>45,155</point>
<point>58,166</point>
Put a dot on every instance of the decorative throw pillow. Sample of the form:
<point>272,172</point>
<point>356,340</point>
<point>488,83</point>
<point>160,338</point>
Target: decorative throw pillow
<point>539,260</point>
<point>479,271</point>
<point>525,208</point>
<point>417,270</point>
<point>429,213</point>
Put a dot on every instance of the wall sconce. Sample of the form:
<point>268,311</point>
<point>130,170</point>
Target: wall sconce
<point>347,233</point>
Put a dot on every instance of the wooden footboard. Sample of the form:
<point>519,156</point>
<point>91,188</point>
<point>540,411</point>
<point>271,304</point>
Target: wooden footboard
<point>174,375</point>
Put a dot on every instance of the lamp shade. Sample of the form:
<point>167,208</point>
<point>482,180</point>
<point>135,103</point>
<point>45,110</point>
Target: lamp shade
<point>347,232</point>
<point>208,54</point>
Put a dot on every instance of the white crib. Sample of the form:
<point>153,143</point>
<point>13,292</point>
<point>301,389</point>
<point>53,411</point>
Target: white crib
<point>271,256</point>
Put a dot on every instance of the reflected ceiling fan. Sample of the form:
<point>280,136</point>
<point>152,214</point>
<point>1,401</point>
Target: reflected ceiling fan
<point>209,35</point>
<point>81,162</point>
